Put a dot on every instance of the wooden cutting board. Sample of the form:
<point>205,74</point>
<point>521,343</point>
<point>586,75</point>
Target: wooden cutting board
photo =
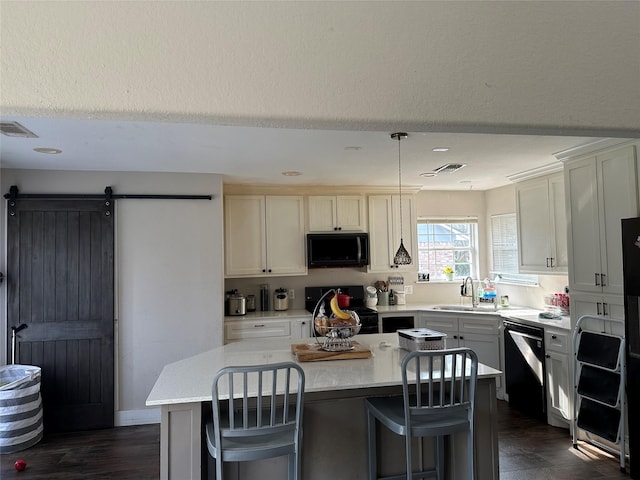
<point>306,352</point>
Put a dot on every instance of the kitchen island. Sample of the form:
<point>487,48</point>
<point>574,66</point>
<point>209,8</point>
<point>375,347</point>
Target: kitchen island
<point>335,438</point>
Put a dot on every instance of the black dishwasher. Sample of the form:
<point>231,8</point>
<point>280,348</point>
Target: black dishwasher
<point>524,369</point>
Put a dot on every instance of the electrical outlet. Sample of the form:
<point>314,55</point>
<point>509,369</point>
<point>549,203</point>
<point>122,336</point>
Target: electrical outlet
<point>408,289</point>
<point>292,294</point>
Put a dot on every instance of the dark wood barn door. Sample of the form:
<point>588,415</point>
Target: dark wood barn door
<point>60,284</point>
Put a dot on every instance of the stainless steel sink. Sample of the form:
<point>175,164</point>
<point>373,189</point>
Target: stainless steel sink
<point>464,308</point>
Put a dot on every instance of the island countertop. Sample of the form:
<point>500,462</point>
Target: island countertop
<point>190,380</point>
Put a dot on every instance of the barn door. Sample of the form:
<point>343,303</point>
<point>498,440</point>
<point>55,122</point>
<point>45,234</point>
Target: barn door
<point>60,285</point>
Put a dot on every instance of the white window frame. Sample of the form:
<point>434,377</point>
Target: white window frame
<point>435,273</point>
<point>498,245</point>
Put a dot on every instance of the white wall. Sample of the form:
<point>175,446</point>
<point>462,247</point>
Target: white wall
<point>168,271</point>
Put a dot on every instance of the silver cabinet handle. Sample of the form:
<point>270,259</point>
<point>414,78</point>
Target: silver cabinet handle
<point>604,309</point>
<point>598,311</point>
<point>597,279</point>
<point>603,279</point>
<point>258,325</point>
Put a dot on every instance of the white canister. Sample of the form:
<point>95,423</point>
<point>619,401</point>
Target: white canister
<point>400,297</point>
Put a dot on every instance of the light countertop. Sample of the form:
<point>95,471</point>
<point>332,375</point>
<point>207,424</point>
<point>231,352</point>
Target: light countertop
<point>524,314</point>
<point>189,380</point>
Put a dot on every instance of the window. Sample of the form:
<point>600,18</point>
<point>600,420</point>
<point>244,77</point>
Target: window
<point>448,243</point>
<point>504,243</point>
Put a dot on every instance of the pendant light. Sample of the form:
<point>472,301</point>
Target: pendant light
<point>402,257</point>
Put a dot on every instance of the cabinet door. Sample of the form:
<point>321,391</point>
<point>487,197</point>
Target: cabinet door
<point>285,235</point>
<point>584,225</point>
<point>487,347</point>
<point>532,203</point>
<point>618,196</point>
<point>558,389</point>
<point>300,328</point>
<point>443,324</point>
<point>322,213</point>
<point>605,306</point>
<point>558,218</point>
<point>380,233</point>
<point>244,227</point>
<point>350,213</point>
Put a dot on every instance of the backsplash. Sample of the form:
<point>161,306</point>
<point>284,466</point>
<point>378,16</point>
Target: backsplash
<point>423,293</point>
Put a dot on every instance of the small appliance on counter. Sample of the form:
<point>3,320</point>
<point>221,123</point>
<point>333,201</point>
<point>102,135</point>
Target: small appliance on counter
<point>280,299</point>
<point>413,339</point>
<point>237,304</point>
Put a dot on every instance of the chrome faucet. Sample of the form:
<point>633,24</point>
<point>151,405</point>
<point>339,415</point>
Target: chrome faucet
<point>465,292</point>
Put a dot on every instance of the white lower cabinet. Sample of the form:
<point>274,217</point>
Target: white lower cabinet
<point>246,329</point>
<point>301,327</point>
<point>480,333</point>
<point>605,306</point>
<point>294,328</point>
<point>559,385</point>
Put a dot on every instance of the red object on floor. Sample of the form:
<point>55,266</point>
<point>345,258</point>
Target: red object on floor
<point>20,465</point>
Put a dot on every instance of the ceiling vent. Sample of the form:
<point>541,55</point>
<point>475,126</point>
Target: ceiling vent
<point>449,168</point>
<point>14,129</point>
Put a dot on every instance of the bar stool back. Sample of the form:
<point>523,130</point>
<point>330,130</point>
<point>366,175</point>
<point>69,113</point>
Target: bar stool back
<point>257,414</point>
<point>438,393</point>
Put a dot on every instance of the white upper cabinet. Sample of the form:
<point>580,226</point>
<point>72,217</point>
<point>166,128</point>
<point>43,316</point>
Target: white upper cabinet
<point>542,226</point>
<point>601,190</point>
<point>264,235</point>
<point>336,213</point>
<point>384,231</point>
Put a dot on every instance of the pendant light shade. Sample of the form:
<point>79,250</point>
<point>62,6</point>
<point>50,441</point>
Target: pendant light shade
<point>402,257</point>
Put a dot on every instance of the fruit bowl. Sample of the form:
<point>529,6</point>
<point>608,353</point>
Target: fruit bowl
<point>337,329</point>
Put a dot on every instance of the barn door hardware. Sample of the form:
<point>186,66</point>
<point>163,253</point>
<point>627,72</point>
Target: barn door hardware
<point>14,195</point>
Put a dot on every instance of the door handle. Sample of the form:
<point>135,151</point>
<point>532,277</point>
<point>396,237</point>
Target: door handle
<point>603,279</point>
<point>551,262</point>
<point>604,309</point>
<point>548,262</point>
<point>597,279</point>
<point>598,305</point>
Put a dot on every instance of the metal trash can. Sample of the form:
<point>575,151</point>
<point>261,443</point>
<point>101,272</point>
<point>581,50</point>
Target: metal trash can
<point>20,407</point>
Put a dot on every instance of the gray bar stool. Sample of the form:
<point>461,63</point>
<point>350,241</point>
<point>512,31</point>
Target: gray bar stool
<point>264,421</point>
<point>438,393</point>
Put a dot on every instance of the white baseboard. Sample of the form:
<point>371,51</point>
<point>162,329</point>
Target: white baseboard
<point>126,418</point>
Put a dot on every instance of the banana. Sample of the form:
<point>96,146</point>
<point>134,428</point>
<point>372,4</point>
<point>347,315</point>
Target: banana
<point>335,308</point>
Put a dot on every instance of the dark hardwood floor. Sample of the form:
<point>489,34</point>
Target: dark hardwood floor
<point>529,450</point>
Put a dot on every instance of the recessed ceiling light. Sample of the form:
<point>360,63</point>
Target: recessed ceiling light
<point>353,148</point>
<point>465,181</point>
<point>428,174</point>
<point>48,151</point>
<point>291,174</point>
<point>440,149</point>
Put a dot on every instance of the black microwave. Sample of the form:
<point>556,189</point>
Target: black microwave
<point>337,250</point>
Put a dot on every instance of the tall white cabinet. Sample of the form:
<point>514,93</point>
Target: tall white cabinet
<point>385,234</point>
<point>601,188</point>
<point>542,226</point>
<point>264,235</point>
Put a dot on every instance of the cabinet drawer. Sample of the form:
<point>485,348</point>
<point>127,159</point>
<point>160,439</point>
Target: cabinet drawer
<point>486,327</point>
<point>556,340</point>
<point>257,329</point>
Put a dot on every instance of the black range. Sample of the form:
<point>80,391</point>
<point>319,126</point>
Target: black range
<point>368,316</point>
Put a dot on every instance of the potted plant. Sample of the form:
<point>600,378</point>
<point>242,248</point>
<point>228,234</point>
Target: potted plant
<point>448,273</point>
